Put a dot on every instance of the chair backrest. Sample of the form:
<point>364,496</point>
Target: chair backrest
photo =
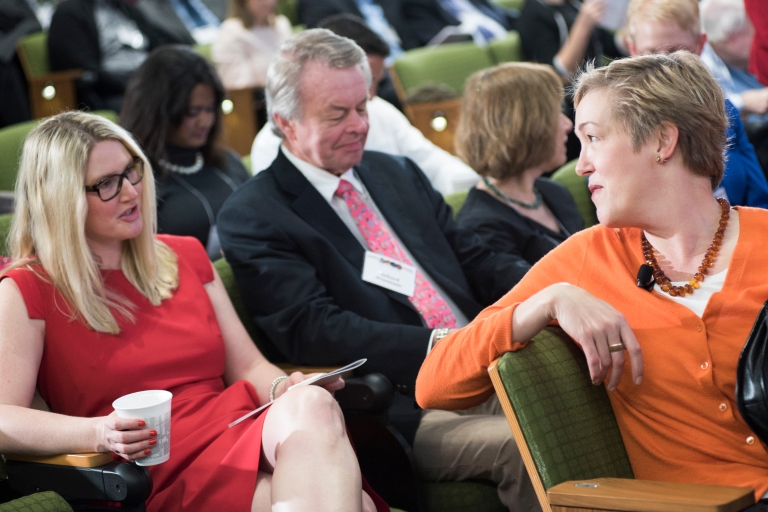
<point>33,53</point>
<point>5,228</point>
<point>456,201</point>
<point>12,140</point>
<point>564,426</point>
<point>206,50</point>
<point>510,4</point>
<point>288,9</point>
<point>579,189</point>
<point>449,64</point>
<point>224,270</point>
<point>507,49</point>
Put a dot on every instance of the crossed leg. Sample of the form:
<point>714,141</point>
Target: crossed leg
<point>307,462</point>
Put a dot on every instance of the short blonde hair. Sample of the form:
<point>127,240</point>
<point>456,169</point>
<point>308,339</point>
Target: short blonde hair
<point>646,91</point>
<point>509,118</point>
<point>683,12</point>
<point>49,221</point>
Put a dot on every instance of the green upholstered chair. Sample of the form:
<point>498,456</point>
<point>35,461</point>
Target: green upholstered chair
<point>449,64</point>
<point>288,9</point>
<point>507,49</point>
<point>50,92</point>
<point>456,201</point>
<point>39,502</point>
<point>577,186</point>
<point>567,433</point>
<point>246,159</point>
<point>511,4</point>
<point>5,227</point>
<point>206,50</point>
<point>11,141</point>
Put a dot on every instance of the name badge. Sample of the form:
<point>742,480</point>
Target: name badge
<point>389,273</point>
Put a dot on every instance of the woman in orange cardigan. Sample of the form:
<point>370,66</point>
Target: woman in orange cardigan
<point>653,133</point>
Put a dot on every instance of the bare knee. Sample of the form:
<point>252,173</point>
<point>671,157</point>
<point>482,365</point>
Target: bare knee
<point>310,407</point>
<point>368,505</point>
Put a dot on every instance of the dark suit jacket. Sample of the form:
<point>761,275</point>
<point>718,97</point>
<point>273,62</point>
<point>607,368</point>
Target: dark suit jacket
<point>299,267</point>
<point>73,42</point>
<point>415,21</point>
<point>507,231</point>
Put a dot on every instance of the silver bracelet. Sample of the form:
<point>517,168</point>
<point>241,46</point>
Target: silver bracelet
<point>274,386</point>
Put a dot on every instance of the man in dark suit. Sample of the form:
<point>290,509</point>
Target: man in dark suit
<point>341,254</point>
<point>415,22</point>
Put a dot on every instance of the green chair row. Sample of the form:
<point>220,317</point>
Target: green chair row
<point>11,142</point>
<point>451,64</point>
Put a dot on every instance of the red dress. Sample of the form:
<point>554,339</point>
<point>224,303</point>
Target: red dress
<point>176,346</point>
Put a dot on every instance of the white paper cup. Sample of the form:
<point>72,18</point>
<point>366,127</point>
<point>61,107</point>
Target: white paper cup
<point>154,407</point>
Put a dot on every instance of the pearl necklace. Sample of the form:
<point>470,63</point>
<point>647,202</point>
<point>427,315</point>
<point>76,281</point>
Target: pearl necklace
<point>181,169</point>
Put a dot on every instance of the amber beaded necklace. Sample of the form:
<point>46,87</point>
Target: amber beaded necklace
<point>709,259</point>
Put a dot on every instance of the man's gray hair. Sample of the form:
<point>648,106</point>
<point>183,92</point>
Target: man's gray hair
<point>721,18</point>
<point>283,90</point>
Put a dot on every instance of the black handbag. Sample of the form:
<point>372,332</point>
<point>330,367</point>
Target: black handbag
<point>752,377</point>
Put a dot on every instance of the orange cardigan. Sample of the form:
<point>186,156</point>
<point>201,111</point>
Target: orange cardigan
<point>681,424</point>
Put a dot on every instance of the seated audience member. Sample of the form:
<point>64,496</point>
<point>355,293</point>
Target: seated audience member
<point>249,39</point>
<point>161,14</point>
<point>310,238</point>
<point>660,26</point>
<point>565,33</point>
<point>511,132</point>
<point>172,107</point>
<point>389,131</point>
<point>758,57</point>
<point>108,40</point>
<point>96,306</point>
<point>730,33</point>
<point>17,20</point>
<point>653,135</point>
<point>406,24</point>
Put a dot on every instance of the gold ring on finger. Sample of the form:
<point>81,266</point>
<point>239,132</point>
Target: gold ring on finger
<point>616,347</point>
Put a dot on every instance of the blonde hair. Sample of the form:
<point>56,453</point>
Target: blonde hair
<point>646,91</point>
<point>51,210</point>
<point>683,12</point>
<point>509,119</point>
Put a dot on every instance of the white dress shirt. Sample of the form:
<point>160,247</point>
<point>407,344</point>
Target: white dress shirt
<point>389,132</point>
<point>327,184</point>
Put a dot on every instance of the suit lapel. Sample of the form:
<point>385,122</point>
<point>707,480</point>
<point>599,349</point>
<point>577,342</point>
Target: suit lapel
<point>308,204</point>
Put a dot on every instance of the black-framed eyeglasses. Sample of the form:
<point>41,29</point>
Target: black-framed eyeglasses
<point>108,187</point>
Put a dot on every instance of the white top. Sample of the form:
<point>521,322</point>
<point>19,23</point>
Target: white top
<point>326,184</point>
<point>389,132</point>
<point>697,301</point>
<point>242,55</point>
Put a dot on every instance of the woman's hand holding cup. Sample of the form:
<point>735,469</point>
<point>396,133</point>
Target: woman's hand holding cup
<point>127,437</point>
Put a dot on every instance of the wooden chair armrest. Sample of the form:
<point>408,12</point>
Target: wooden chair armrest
<point>80,460</point>
<point>622,494</point>
<point>58,76</point>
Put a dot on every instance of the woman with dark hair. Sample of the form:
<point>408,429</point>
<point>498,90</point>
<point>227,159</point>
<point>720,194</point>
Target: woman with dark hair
<point>172,107</point>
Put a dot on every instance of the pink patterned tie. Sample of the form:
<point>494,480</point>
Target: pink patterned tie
<point>426,300</point>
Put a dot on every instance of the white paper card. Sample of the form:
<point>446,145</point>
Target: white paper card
<point>320,379</point>
<point>389,273</point>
